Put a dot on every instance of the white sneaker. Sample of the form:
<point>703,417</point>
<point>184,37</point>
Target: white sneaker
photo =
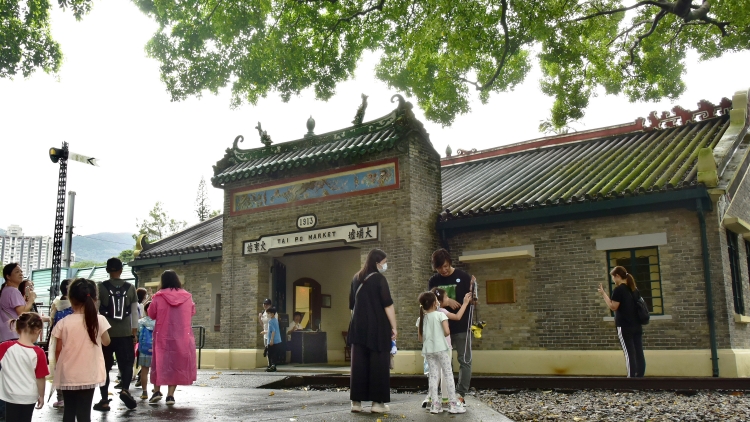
<point>457,408</point>
<point>356,406</point>
<point>379,408</point>
<point>436,407</point>
<point>426,402</point>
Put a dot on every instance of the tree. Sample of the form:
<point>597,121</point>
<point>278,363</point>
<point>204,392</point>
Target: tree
<point>441,50</point>
<point>126,255</point>
<point>214,213</point>
<point>26,43</point>
<point>202,203</point>
<point>158,225</point>
<point>87,264</point>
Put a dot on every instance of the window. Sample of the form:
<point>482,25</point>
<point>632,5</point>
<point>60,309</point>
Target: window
<point>643,265</point>
<point>501,291</point>
<point>734,266</point>
<point>217,313</point>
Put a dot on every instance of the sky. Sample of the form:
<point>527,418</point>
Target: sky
<point>108,102</point>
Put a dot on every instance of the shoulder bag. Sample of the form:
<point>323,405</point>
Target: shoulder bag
<point>641,310</point>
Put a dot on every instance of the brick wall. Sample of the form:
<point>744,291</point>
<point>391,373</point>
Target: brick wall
<point>558,306</point>
<point>406,216</point>
<point>739,207</point>
<point>196,278</point>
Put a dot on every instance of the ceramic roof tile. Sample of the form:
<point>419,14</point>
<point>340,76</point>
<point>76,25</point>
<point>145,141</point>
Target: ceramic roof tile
<point>334,148</point>
<point>202,237</point>
<point>606,167</point>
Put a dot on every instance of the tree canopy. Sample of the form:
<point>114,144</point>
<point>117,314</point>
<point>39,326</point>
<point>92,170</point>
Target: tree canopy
<point>202,202</point>
<point>443,52</point>
<point>26,43</point>
<point>158,224</point>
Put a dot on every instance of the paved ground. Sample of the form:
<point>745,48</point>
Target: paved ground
<point>234,396</point>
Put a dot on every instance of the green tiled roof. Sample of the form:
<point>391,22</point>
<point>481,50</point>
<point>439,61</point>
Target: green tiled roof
<point>635,163</point>
<point>335,148</point>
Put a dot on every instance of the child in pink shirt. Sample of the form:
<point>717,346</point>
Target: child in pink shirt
<point>80,362</point>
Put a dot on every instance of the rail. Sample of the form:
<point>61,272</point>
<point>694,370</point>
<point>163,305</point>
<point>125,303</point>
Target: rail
<point>201,341</point>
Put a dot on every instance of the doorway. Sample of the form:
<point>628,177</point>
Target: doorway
<point>313,276</point>
<point>307,301</point>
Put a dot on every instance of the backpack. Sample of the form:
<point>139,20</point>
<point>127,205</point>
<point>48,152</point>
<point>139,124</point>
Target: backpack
<point>641,310</point>
<point>118,305</point>
<point>62,314</point>
<point>146,341</point>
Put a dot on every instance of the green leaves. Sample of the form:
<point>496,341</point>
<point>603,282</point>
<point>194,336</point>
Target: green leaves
<point>443,52</point>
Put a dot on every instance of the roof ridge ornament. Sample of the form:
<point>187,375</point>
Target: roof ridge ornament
<point>264,137</point>
<point>401,101</point>
<point>681,116</point>
<point>310,127</point>
<point>360,116</point>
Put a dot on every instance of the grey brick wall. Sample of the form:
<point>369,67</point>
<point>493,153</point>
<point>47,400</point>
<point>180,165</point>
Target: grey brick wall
<point>739,207</point>
<point>557,303</point>
<point>196,278</point>
<point>406,216</point>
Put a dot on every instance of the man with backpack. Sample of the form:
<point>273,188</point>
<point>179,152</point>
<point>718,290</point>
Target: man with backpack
<point>119,304</point>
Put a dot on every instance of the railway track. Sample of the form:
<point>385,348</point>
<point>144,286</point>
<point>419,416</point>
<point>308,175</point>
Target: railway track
<point>510,384</point>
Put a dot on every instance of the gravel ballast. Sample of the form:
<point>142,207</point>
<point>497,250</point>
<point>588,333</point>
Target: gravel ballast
<point>538,405</point>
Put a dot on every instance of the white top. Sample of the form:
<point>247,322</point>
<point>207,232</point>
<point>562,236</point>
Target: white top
<point>433,336</point>
<point>295,326</point>
<point>21,366</point>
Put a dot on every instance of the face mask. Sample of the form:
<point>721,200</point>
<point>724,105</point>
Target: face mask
<point>383,268</point>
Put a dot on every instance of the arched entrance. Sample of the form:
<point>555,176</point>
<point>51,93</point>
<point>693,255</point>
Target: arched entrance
<point>307,299</point>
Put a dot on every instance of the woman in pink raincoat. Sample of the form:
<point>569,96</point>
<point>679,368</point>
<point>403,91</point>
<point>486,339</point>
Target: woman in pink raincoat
<point>173,359</point>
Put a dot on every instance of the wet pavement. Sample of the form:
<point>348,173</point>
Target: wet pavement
<point>235,396</point>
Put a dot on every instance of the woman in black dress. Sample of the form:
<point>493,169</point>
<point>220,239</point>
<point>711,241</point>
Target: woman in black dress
<point>371,329</point>
<point>629,329</point>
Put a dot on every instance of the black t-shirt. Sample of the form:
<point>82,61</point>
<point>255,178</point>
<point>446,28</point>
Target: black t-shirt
<point>456,286</point>
<point>369,325</point>
<point>625,314</point>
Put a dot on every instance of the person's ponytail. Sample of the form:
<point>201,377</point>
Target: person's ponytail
<point>625,275</point>
<point>421,319</point>
<point>92,318</point>
<point>631,282</point>
<point>82,292</point>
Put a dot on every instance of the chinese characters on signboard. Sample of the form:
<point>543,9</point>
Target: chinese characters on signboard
<point>349,233</point>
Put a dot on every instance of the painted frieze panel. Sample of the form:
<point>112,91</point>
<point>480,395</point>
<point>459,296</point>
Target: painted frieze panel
<point>348,181</point>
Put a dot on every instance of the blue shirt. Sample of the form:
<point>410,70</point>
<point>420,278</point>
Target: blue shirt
<point>273,331</point>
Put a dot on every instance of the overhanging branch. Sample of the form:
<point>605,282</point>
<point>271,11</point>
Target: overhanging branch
<point>506,50</point>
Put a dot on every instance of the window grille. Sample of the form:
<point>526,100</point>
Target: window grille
<point>643,265</point>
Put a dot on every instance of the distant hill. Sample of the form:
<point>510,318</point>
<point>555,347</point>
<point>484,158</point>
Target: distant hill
<point>100,247</point>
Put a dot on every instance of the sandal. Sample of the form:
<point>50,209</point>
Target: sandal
<point>103,405</point>
<point>129,401</point>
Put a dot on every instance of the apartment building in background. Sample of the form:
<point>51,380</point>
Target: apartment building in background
<point>31,252</point>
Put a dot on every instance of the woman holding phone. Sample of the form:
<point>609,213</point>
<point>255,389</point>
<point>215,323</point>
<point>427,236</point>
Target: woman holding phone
<point>12,302</point>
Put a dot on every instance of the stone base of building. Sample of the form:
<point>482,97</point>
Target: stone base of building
<point>660,363</point>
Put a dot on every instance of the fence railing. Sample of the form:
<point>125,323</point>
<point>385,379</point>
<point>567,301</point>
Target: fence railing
<point>200,341</point>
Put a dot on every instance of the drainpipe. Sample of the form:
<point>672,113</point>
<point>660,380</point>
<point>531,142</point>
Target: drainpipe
<point>709,288</point>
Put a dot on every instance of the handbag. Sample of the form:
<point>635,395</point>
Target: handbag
<point>355,304</point>
<point>641,309</point>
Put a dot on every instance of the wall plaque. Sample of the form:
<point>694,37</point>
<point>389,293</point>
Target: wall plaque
<point>349,233</point>
<point>333,184</point>
<point>307,221</point>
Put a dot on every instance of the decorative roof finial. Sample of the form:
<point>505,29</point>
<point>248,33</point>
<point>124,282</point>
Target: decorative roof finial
<point>264,137</point>
<point>448,151</point>
<point>310,127</point>
<point>360,111</point>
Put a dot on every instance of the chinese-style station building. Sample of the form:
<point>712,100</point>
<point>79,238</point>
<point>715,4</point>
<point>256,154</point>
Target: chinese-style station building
<point>539,223</point>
